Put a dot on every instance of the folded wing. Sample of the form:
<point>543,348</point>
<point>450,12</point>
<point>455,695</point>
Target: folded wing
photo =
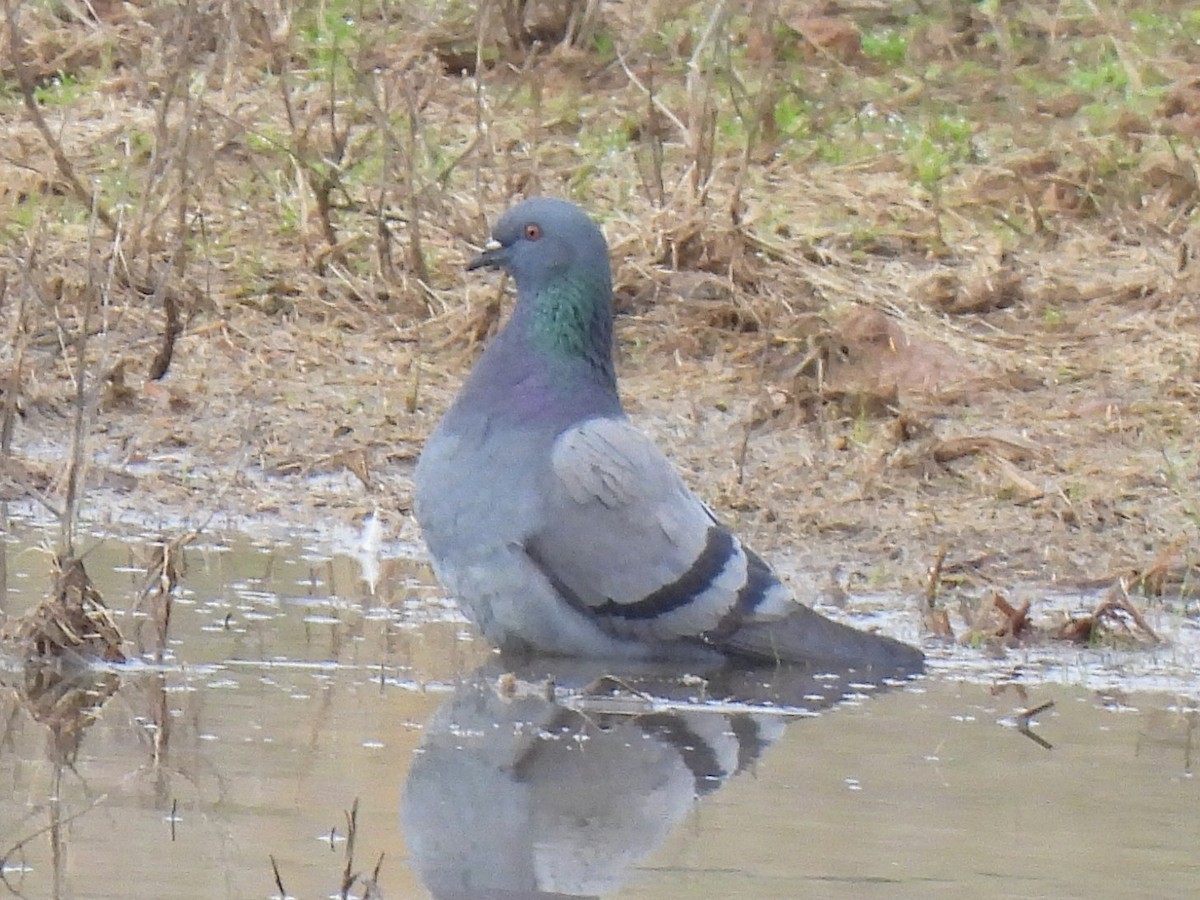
<point>624,539</point>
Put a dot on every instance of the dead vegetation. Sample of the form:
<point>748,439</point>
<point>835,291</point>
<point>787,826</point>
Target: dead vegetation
<point>72,623</point>
<point>890,276</point>
<point>57,643</point>
<point>367,885</point>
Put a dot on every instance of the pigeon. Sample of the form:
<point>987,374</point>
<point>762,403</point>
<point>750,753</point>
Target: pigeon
<point>561,528</point>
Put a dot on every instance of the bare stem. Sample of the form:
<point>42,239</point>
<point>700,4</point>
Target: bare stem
<point>25,82</point>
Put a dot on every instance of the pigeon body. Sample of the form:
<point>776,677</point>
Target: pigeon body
<point>558,525</point>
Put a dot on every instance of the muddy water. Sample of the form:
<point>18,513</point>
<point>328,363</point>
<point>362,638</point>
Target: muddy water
<point>288,690</point>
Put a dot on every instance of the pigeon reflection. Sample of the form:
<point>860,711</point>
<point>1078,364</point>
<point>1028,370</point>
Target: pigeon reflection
<point>556,781</point>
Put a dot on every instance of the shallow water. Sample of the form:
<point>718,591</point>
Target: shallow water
<point>288,691</point>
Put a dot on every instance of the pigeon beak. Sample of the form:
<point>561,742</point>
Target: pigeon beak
<point>494,256</point>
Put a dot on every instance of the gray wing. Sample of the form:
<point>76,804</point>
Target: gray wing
<point>623,538</point>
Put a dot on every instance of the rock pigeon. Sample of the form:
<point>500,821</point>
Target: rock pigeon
<point>558,525</point>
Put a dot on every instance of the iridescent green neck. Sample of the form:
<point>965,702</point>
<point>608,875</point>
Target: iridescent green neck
<point>572,320</point>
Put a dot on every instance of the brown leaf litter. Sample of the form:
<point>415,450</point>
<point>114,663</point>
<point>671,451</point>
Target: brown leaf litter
<point>995,621</point>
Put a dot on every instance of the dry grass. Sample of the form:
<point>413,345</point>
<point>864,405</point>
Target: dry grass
<point>57,641</point>
<point>890,277</point>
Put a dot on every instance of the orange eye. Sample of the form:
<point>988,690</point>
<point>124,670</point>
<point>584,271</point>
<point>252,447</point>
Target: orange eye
<point>533,231</point>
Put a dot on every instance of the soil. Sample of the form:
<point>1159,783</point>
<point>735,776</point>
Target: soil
<point>889,310</point>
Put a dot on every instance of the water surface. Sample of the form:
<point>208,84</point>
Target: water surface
<point>288,690</point>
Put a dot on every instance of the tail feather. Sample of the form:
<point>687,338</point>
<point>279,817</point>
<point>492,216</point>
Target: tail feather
<point>806,636</point>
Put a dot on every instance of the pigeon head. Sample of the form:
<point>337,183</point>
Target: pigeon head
<point>559,260</point>
<point>542,240</point>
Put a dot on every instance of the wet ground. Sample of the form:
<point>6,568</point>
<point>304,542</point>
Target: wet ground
<point>288,691</point>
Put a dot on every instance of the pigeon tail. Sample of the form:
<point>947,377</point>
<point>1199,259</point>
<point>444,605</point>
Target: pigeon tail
<point>807,637</point>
